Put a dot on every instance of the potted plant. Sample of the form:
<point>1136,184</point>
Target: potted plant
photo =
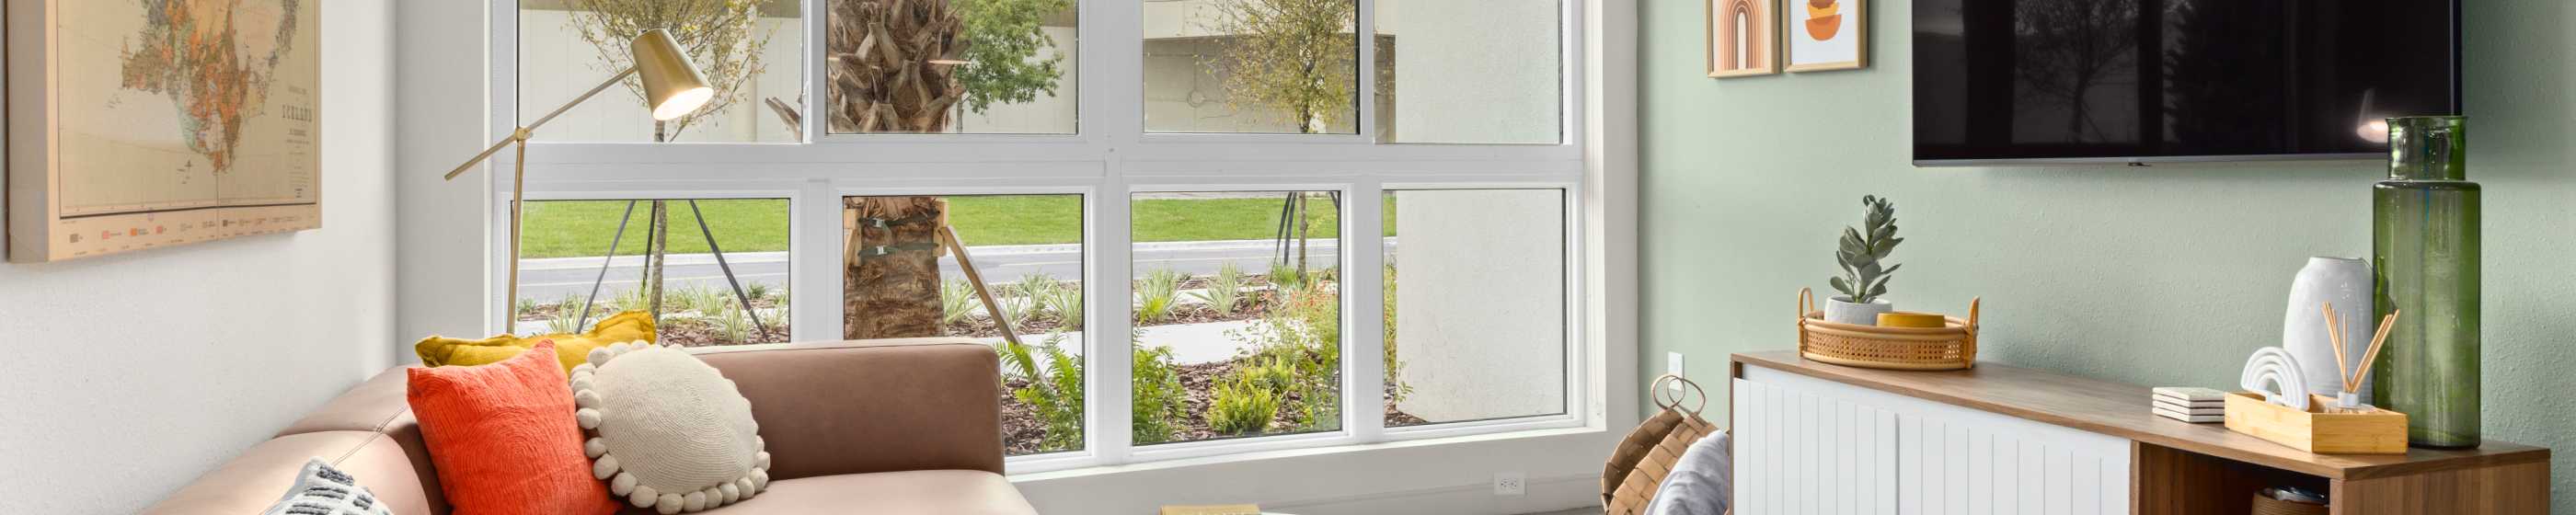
<point>1864,280</point>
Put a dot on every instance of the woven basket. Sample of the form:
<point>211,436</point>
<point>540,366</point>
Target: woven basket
<point>1953,347</point>
<point>1638,466</point>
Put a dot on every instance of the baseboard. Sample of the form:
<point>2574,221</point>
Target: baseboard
<point>1543,495</point>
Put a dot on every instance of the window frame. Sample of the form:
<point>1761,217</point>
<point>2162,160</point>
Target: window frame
<point>1109,159</point>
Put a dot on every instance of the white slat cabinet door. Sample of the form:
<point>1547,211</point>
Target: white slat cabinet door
<point>1812,446</point>
<point>1801,452</point>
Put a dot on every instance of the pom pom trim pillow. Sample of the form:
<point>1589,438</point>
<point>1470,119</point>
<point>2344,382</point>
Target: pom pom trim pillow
<point>671,433</point>
<point>570,349</point>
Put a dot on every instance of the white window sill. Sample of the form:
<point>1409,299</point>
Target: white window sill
<point>1561,466</point>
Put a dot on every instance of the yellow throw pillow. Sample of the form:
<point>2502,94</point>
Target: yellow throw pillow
<point>570,349</point>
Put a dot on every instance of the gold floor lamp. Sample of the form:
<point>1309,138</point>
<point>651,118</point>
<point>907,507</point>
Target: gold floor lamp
<point>672,86</point>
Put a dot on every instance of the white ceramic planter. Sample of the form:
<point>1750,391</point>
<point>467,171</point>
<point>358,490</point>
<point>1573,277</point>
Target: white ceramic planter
<point>1840,310</point>
<point>2346,282</point>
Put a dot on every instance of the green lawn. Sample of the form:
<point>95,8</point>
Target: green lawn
<point>570,228</point>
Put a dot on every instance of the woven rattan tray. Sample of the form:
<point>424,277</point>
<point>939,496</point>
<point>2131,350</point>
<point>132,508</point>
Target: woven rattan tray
<point>1952,347</point>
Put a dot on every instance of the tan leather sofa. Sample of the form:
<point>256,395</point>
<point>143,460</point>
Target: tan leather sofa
<point>886,426</point>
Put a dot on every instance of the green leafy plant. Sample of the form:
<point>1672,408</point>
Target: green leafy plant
<point>1066,303</point>
<point>1054,390</point>
<point>633,299</point>
<point>1283,277</point>
<point>1225,291</point>
<point>956,301</point>
<point>1036,288</point>
<point>1003,38</point>
<point>1157,294</point>
<point>1303,334</point>
<point>1242,406</point>
<point>757,291</point>
<point>735,326</point>
<point>1396,390</point>
<point>1862,248</point>
<point>1157,399</point>
<point>525,307</point>
<point>564,322</point>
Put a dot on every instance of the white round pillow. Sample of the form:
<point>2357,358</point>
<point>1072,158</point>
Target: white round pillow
<point>667,431</point>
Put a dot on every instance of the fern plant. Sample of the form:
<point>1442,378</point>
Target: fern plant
<point>1054,391</point>
<point>1242,406</point>
<point>1861,250</point>
<point>1158,396</point>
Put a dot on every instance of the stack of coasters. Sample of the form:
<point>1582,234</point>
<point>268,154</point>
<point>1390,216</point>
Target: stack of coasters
<point>2188,404</point>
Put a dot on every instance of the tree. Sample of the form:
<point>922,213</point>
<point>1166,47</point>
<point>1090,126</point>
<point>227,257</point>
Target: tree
<point>1290,56</point>
<point>905,66</point>
<point>902,65</point>
<point>723,38</point>
<point>1003,38</point>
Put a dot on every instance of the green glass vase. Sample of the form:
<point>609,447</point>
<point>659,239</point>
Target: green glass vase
<point>2425,250</point>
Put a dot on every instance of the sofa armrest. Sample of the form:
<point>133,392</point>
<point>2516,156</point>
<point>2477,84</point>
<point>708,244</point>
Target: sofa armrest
<point>828,408</point>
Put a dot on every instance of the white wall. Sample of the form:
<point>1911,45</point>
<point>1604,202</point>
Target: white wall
<point>1480,303</point>
<point>133,373</point>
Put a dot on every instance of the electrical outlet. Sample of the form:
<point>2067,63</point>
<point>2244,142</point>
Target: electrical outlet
<point>1510,483</point>
<point>1673,365</point>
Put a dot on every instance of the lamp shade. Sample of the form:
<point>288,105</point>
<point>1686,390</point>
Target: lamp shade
<point>672,85</point>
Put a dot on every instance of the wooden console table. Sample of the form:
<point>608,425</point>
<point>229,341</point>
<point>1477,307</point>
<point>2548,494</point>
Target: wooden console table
<point>1812,437</point>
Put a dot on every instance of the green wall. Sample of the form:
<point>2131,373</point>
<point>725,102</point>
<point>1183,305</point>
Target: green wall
<point>2167,275</point>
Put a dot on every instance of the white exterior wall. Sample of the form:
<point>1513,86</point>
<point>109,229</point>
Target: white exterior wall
<point>1480,302</point>
<point>1486,72</point>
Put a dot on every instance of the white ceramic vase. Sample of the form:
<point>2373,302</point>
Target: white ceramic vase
<point>1842,311</point>
<point>2347,283</point>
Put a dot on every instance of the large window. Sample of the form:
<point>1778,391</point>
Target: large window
<point>1165,257</point>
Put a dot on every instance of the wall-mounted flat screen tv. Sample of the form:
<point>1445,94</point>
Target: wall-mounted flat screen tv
<point>2142,81</point>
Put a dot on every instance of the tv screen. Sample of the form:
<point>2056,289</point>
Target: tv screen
<point>2168,80</point>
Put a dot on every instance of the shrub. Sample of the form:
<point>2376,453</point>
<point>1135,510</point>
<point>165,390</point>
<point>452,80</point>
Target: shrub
<point>524,307</point>
<point>1225,291</point>
<point>1396,390</point>
<point>956,301</point>
<point>735,325</point>
<point>1283,277</point>
<point>1304,335</point>
<point>1242,406</point>
<point>564,322</point>
<point>1054,391</point>
<point>1157,293</point>
<point>1035,288</point>
<point>1066,302</point>
<point>1157,401</point>
<point>634,299</point>
<point>757,291</point>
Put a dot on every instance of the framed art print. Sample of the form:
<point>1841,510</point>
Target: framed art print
<point>1827,35</point>
<point>136,125</point>
<point>1741,38</point>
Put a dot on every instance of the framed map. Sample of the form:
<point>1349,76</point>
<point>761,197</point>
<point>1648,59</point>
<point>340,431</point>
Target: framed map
<point>139,124</point>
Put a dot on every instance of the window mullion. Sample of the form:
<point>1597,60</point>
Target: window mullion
<point>1109,346</point>
<point>1364,310</point>
<point>1364,29</point>
<point>815,263</point>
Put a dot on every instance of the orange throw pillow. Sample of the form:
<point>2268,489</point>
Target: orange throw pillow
<point>504,439</point>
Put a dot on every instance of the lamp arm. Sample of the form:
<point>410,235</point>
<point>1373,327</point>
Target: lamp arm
<point>521,134</point>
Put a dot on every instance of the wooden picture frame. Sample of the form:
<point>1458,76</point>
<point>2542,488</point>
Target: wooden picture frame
<point>1827,37</point>
<point>1742,37</point>
<point>121,137</point>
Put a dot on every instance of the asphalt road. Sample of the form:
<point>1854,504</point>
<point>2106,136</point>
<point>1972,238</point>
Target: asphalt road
<point>547,280</point>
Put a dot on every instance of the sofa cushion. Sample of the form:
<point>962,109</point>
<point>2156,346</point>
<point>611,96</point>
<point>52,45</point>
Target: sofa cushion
<point>945,492</point>
<point>830,408</point>
<point>377,405</point>
<point>503,438</point>
<point>251,482</point>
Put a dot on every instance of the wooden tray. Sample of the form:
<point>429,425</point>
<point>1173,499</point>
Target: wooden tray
<point>1953,347</point>
<point>2377,431</point>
